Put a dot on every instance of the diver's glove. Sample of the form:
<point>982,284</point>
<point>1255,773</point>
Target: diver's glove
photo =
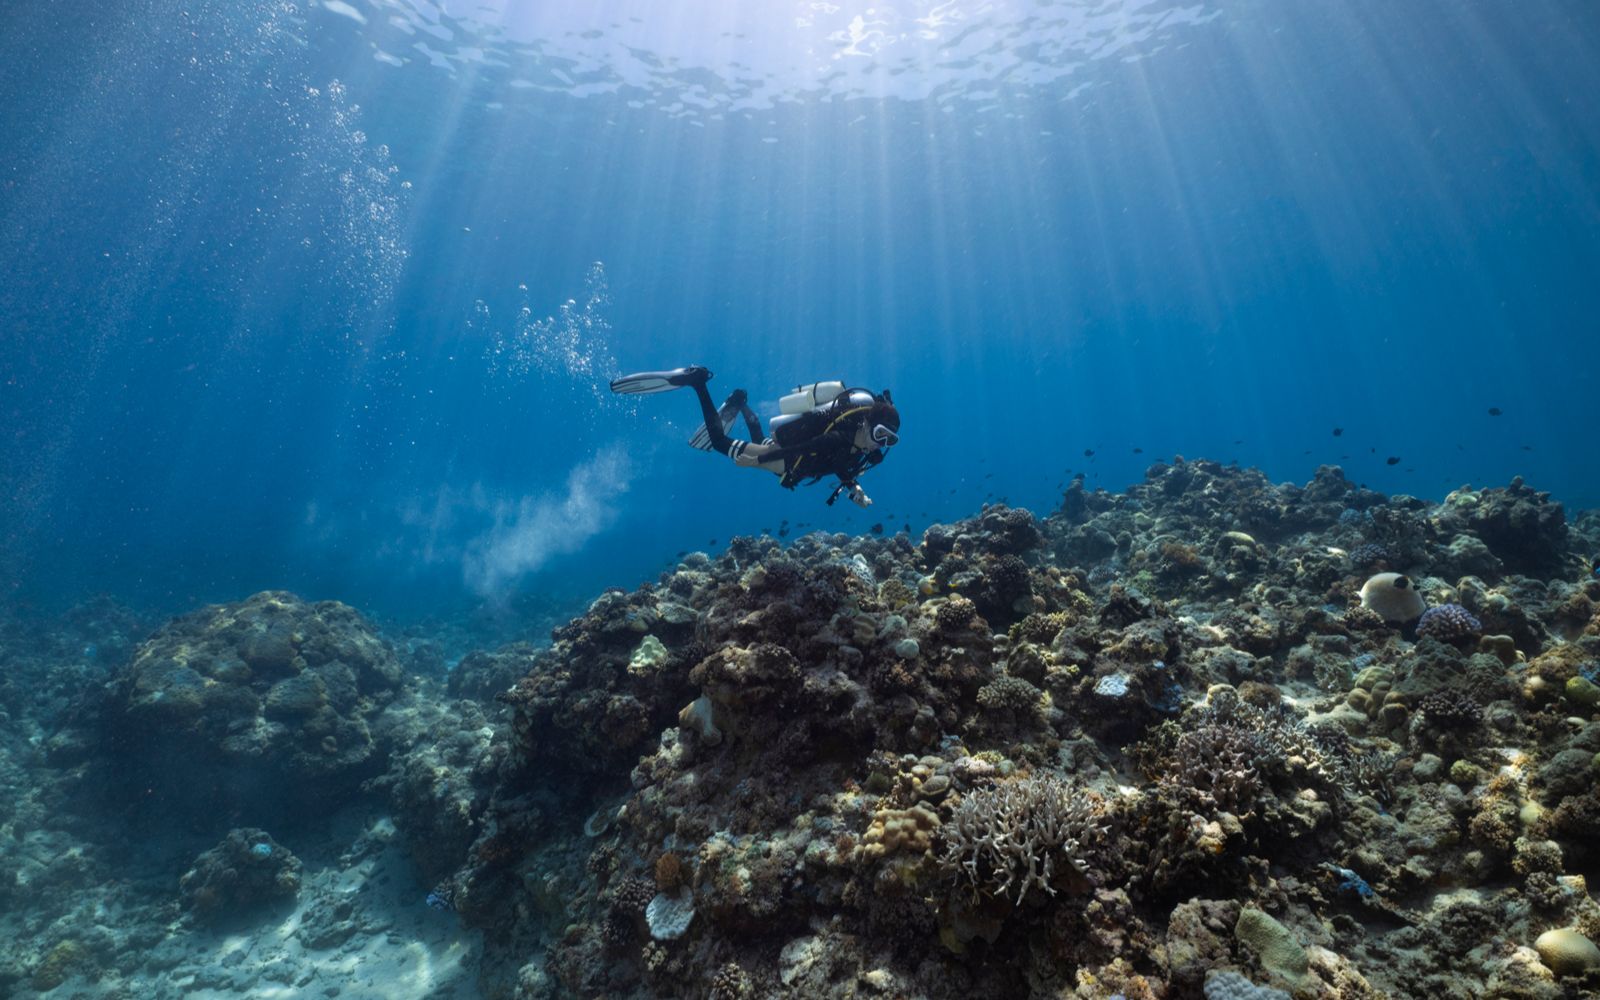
<point>858,496</point>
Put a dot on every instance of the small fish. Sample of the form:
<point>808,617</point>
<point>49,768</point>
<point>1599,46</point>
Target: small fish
<point>1240,441</point>
<point>1495,411</point>
<point>1138,451</point>
<point>1088,453</point>
<point>712,542</point>
<point>1594,570</point>
<point>1393,460</point>
<point>682,553</point>
<point>1338,432</point>
<point>783,532</point>
<point>877,529</point>
<point>1527,447</point>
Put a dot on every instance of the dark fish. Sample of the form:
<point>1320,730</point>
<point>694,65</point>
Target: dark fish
<point>1088,453</point>
<point>1138,451</point>
<point>1338,431</point>
<point>712,542</point>
<point>988,475</point>
<point>1306,452</point>
<point>783,532</point>
<point>1240,441</point>
<point>877,529</point>
<point>1527,447</point>
<point>1495,411</point>
<point>682,553</point>
<point>1393,460</point>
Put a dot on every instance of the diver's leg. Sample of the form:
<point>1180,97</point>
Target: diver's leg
<point>752,453</point>
<point>752,423</point>
<point>719,438</point>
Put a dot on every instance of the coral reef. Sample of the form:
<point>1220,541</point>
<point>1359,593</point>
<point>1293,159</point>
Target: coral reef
<point>245,873</point>
<point>1193,739</point>
<point>871,749</point>
<point>255,708</point>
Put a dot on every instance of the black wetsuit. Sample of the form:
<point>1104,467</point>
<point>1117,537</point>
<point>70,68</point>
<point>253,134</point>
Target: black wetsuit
<point>823,453</point>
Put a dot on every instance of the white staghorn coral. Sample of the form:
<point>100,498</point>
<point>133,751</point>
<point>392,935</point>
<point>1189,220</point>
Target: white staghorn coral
<point>1021,833</point>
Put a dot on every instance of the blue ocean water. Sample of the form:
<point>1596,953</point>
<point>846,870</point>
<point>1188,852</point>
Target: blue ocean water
<point>323,296</point>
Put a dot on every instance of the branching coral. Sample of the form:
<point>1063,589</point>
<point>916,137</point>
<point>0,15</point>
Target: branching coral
<point>1451,710</point>
<point>1215,762</point>
<point>1009,694</point>
<point>1039,628</point>
<point>1022,834</point>
<point>1449,623</point>
<point>956,614</point>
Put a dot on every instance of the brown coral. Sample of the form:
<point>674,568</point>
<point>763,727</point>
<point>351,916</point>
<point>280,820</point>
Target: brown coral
<point>670,872</point>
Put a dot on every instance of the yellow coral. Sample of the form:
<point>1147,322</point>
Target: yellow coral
<point>895,830</point>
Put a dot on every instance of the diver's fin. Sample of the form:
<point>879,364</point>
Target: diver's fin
<point>644,383</point>
<point>728,412</point>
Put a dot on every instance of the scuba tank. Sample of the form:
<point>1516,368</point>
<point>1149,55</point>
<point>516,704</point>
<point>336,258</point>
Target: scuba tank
<point>806,398</point>
<point>794,425</point>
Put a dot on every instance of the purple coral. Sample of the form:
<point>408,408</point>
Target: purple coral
<point>1369,554</point>
<point>1448,623</point>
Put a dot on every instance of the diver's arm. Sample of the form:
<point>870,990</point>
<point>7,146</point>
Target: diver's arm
<point>753,454</point>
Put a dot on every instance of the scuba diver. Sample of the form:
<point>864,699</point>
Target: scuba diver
<point>823,429</point>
